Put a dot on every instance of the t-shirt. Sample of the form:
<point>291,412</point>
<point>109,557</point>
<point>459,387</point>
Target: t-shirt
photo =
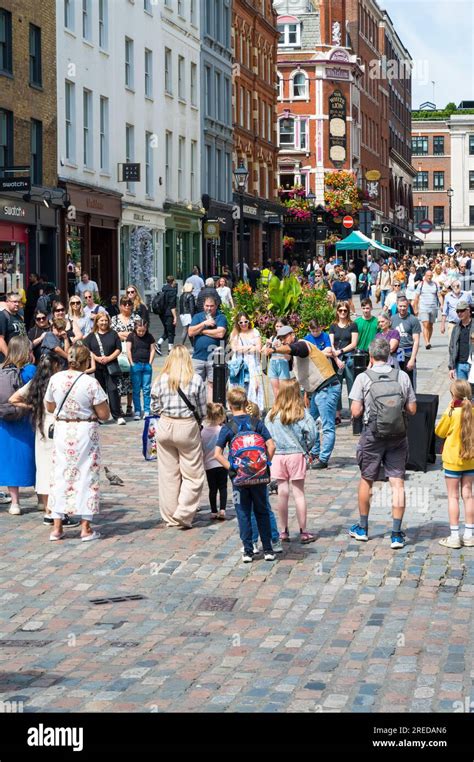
<point>367,330</point>
<point>464,345</point>
<point>342,336</point>
<point>91,286</point>
<point>362,384</point>
<point>321,342</point>
<point>50,343</point>
<point>197,283</point>
<point>226,434</point>
<point>11,325</point>
<point>110,342</point>
<point>406,327</point>
<point>141,346</point>
<point>203,345</point>
<point>209,436</point>
<point>428,293</point>
<point>342,290</point>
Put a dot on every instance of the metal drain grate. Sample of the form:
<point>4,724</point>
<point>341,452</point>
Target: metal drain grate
<point>216,604</point>
<point>24,643</point>
<point>116,599</point>
<point>124,643</point>
<point>194,634</point>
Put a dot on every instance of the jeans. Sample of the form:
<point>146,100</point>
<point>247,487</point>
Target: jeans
<point>273,524</point>
<point>383,295</point>
<point>246,500</point>
<point>324,405</point>
<point>141,373</point>
<point>462,370</point>
<point>348,374</point>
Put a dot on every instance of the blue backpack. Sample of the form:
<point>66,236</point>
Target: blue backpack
<point>247,455</point>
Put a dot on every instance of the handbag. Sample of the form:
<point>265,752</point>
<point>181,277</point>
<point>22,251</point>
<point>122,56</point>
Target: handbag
<point>149,437</point>
<point>51,426</point>
<point>122,359</point>
<point>190,406</point>
<point>236,368</point>
<point>113,368</point>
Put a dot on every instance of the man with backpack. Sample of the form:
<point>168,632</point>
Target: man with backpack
<point>11,323</point>
<point>383,396</point>
<point>166,303</point>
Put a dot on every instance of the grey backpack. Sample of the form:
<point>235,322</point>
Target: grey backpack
<point>387,416</point>
<point>10,382</point>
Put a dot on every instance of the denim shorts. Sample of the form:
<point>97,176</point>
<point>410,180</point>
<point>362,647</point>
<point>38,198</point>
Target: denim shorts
<point>457,474</point>
<point>278,367</point>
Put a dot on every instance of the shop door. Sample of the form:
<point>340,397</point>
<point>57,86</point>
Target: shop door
<point>102,266</point>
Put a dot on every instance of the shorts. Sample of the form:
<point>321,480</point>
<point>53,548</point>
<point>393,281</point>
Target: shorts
<point>457,474</point>
<point>373,453</point>
<point>205,369</point>
<point>428,316</point>
<point>289,467</point>
<point>278,367</point>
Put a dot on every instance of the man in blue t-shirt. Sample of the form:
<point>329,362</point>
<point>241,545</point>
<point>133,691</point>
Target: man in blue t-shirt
<point>208,329</point>
<point>342,289</point>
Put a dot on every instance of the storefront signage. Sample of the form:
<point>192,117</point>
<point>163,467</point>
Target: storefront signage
<point>250,210</point>
<point>140,217</point>
<point>334,72</point>
<point>94,203</point>
<point>339,55</point>
<point>337,128</point>
<point>211,230</point>
<point>15,184</point>
<point>14,211</point>
<point>129,173</point>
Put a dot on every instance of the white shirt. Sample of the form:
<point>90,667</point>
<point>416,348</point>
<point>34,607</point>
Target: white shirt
<point>352,279</point>
<point>197,284</point>
<point>225,294</point>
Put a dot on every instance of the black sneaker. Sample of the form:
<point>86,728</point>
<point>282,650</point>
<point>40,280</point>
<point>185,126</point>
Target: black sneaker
<point>158,349</point>
<point>318,464</point>
<point>48,522</point>
<point>68,521</point>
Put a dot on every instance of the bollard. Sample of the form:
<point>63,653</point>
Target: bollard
<point>220,377</point>
<point>361,361</point>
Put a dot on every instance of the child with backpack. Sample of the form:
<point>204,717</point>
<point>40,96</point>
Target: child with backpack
<point>216,474</point>
<point>294,432</point>
<point>457,429</point>
<point>251,449</point>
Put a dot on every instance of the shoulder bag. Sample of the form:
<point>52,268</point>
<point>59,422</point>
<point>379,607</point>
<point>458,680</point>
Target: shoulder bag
<point>113,368</point>
<point>58,410</point>
<point>191,407</point>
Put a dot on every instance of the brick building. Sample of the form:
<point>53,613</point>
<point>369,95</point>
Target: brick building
<point>28,138</point>
<point>254,45</point>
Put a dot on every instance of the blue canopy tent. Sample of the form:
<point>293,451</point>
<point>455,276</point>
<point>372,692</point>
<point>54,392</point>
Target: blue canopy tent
<point>357,241</point>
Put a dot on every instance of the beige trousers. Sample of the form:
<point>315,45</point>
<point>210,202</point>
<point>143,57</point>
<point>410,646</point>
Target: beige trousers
<point>181,472</point>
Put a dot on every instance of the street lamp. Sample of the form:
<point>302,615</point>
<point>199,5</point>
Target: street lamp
<point>450,193</point>
<point>442,226</point>
<point>311,198</point>
<point>240,176</point>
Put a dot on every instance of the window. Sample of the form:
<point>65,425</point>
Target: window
<point>269,124</point>
<point>209,178</point>
<point>181,150</point>
<point>438,180</point>
<point>148,164</point>
<point>419,146</point>
<point>87,128</point>
<point>168,158</point>
<point>471,180</point>
<point>228,177</point>
<point>249,110</point>
<point>438,215</point>
<point>147,6</point>
<point>181,79</point>
<point>421,181</point>
<point>219,176</point>
<point>287,133</point>
<point>300,85</point>
<point>471,145</point>
<point>193,12</point>
<point>241,104</point>
<point>6,138</point>
<point>69,14</point>
<point>129,73</point>
<point>218,20</point>
<point>104,133</point>
<point>194,84</point>
<point>280,86</point>
<point>208,17</point>
<point>471,216</point>
<point>168,72</point>
<point>420,213</point>
<point>130,150</point>
<point>438,145</point>
<point>303,133</point>
<point>180,8</point>
<point>36,152</point>
<point>103,24</point>
<point>148,73</point>
<point>226,25</point>
<point>35,55</point>
<point>227,101</point>
<point>86,20</point>
<point>218,96</point>
<point>290,34</point>
<point>70,121</point>
<point>5,41</point>
<point>193,169</point>
<point>207,93</point>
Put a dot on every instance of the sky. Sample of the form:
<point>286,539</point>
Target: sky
<point>439,35</point>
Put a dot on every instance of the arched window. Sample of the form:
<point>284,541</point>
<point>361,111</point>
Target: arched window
<point>300,85</point>
<point>287,132</point>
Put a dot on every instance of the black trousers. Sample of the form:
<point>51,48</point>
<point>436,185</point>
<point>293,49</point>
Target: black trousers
<point>109,385</point>
<point>170,329</point>
<point>409,373</point>
<point>217,481</point>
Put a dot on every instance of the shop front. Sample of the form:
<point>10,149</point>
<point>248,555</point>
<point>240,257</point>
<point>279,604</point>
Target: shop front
<point>262,231</point>
<point>142,235</point>
<point>89,238</point>
<point>217,250</point>
<point>182,241</point>
<point>28,242</point>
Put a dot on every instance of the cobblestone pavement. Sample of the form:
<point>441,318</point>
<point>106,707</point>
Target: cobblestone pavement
<point>334,626</point>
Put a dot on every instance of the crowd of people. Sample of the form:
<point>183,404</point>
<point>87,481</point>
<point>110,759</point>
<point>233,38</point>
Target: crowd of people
<point>67,370</point>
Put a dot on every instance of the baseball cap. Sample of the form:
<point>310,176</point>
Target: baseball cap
<point>285,330</point>
<point>461,305</point>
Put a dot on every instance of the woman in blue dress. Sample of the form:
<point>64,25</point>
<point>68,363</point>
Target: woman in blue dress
<point>17,438</point>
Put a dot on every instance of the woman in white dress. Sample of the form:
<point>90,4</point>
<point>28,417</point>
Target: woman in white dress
<point>225,293</point>
<point>246,344</point>
<point>76,458</point>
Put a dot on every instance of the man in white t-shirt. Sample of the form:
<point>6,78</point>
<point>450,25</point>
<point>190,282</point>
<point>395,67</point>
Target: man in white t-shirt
<point>86,285</point>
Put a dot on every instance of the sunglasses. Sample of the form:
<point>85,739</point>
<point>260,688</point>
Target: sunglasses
<point>132,291</point>
<point>127,304</point>
<point>89,297</point>
<point>342,311</point>
<point>459,311</point>
<point>60,310</point>
<point>71,303</point>
<point>40,318</point>
<point>396,285</point>
<point>243,322</point>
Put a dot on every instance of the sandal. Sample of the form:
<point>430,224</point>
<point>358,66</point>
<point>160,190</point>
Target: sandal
<point>90,536</point>
<point>285,536</point>
<point>221,516</point>
<point>53,537</point>
<point>307,537</point>
<point>213,516</point>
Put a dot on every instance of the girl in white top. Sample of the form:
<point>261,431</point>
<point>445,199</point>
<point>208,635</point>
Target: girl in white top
<point>225,293</point>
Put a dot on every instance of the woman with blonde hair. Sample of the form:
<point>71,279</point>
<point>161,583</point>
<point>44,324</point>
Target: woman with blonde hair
<point>293,430</point>
<point>105,346</point>
<point>139,308</point>
<point>456,427</point>
<point>78,403</point>
<point>246,344</point>
<point>17,440</point>
<point>81,325</point>
<point>344,334</point>
<point>179,397</point>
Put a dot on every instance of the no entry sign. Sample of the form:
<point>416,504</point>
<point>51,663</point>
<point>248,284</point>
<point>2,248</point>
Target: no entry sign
<point>348,221</point>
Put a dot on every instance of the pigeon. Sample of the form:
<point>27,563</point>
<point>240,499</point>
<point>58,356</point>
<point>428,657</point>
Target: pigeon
<point>273,487</point>
<point>113,478</point>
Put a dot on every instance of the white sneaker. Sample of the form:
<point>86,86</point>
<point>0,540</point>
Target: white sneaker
<point>14,509</point>
<point>136,417</point>
<point>5,498</point>
<point>256,549</point>
<point>121,422</point>
<point>247,559</point>
<point>269,556</point>
<point>277,546</point>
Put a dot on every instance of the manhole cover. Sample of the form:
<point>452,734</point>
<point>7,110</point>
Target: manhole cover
<point>116,599</point>
<point>216,604</point>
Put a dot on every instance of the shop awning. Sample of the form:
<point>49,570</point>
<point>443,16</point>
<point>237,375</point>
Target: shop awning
<point>357,241</point>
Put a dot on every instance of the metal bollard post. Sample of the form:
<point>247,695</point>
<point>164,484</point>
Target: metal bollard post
<point>361,361</point>
<point>220,377</point>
